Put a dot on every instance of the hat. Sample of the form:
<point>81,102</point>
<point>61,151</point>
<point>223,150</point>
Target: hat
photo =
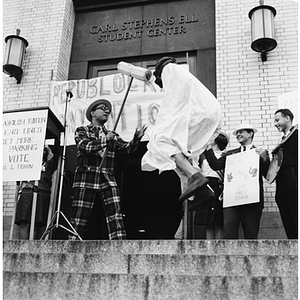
<point>244,126</point>
<point>222,140</point>
<point>93,105</point>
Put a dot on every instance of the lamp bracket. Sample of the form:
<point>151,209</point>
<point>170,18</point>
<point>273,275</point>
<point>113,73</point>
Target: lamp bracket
<point>263,55</point>
<point>17,77</point>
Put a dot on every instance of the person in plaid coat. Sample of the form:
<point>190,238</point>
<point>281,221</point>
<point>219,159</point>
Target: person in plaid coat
<point>93,182</point>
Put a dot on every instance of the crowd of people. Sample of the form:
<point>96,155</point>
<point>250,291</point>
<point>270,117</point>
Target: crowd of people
<point>186,138</point>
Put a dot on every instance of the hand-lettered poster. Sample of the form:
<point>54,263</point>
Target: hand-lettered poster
<point>23,143</point>
<point>141,106</point>
<point>241,179</point>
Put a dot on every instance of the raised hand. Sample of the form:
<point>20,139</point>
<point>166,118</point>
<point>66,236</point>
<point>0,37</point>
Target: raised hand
<point>139,132</point>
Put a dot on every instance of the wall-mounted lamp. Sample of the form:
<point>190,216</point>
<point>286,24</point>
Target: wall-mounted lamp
<point>262,29</point>
<point>14,55</point>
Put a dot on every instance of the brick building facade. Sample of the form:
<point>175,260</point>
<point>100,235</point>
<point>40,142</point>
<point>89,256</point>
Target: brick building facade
<point>246,87</point>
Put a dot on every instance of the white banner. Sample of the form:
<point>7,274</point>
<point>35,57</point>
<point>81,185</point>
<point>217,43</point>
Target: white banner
<point>23,143</point>
<point>241,179</point>
<point>141,106</point>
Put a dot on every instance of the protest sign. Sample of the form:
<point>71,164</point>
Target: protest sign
<point>141,106</point>
<point>23,144</point>
<point>241,179</point>
<point>289,100</point>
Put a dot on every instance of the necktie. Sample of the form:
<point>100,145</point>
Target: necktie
<point>104,129</point>
<point>102,133</point>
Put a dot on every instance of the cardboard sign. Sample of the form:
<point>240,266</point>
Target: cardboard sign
<point>241,179</point>
<point>23,144</point>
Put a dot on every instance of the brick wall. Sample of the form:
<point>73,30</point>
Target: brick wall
<point>248,88</point>
<point>48,28</point>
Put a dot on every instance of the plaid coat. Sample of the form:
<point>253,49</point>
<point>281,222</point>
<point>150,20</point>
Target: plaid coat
<point>89,143</point>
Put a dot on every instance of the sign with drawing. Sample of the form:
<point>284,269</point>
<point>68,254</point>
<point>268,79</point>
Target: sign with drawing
<point>23,143</point>
<point>241,179</point>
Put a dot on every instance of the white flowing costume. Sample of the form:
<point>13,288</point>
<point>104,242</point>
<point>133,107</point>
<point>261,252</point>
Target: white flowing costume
<point>188,118</point>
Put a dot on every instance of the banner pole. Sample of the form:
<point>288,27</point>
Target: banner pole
<point>17,195</point>
<point>33,210</point>
<point>118,118</point>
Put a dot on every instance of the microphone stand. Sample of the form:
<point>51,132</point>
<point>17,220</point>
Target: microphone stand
<point>56,215</point>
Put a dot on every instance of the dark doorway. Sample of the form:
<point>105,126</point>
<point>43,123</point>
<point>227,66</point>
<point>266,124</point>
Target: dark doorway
<point>149,200</point>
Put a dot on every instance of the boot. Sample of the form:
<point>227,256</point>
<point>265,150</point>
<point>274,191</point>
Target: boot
<point>195,182</point>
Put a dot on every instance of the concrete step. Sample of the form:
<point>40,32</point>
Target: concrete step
<point>197,247</point>
<point>157,269</point>
<point>63,286</point>
<point>156,264</point>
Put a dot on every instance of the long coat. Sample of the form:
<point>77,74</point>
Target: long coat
<point>91,144</point>
<point>287,185</point>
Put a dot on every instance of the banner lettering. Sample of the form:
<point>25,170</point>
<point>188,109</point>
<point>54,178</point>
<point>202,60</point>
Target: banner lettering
<point>141,106</point>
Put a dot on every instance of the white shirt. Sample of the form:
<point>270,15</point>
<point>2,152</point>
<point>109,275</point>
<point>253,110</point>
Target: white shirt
<point>188,117</point>
<point>285,134</point>
<point>248,147</point>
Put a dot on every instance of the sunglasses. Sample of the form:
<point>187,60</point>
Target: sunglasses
<point>103,107</point>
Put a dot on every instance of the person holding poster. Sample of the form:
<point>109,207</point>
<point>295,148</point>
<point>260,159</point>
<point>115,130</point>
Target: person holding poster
<point>188,118</point>
<point>287,177</point>
<point>94,178</point>
<point>247,215</point>
<point>24,205</point>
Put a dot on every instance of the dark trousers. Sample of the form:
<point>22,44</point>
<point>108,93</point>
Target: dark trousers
<point>287,200</point>
<point>247,215</point>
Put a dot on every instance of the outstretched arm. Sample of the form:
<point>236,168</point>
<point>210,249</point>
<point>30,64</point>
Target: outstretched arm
<point>214,163</point>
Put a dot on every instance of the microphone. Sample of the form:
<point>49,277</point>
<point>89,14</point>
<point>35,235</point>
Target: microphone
<point>69,94</point>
